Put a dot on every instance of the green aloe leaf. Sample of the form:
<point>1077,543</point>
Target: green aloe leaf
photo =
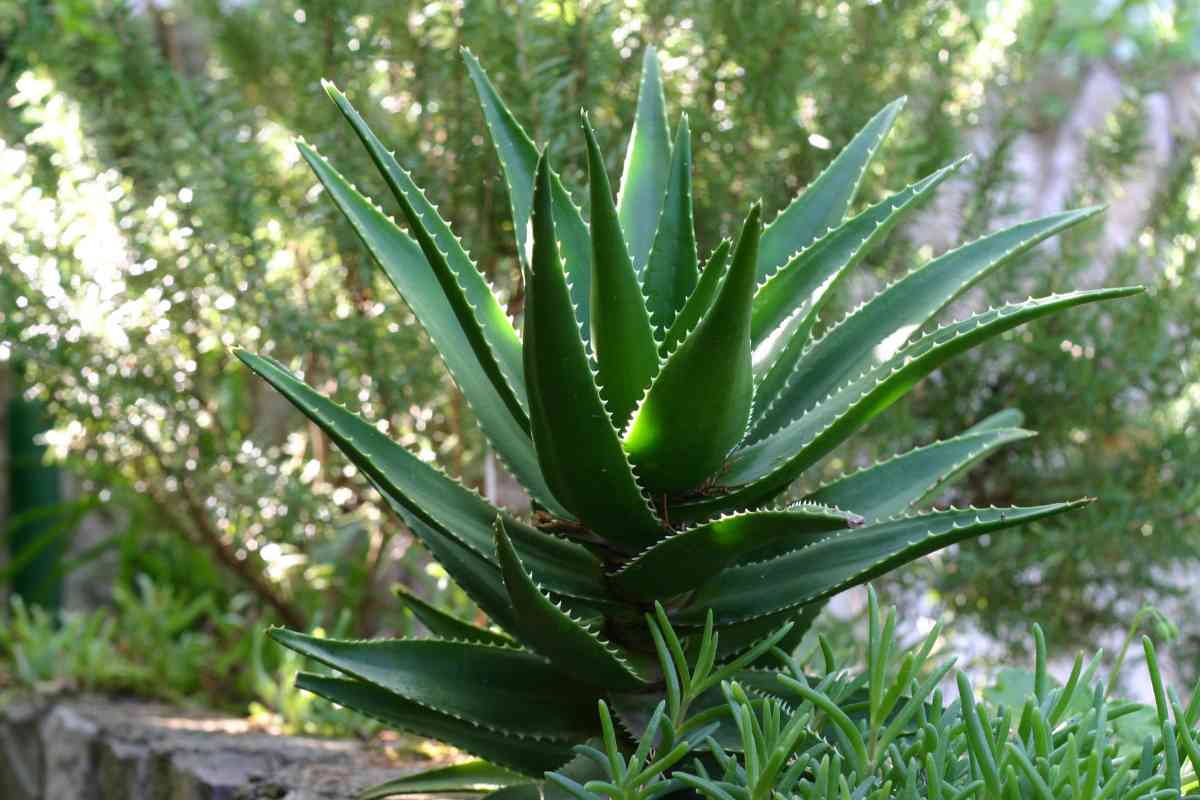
<point>845,559</point>
<point>553,632</point>
<point>823,204</point>
<point>501,688</point>
<point>578,448</point>
<point>892,486</point>
<point>406,267</point>
<point>446,626</point>
<point>480,315</point>
<point>518,158</point>
<point>427,494</point>
<point>673,268</point>
<point>872,333</point>
<point>698,301</point>
<point>1008,418</point>
<point>531,756</point>
<point>647,165</point>
<point>686,559</point>
<point>697,408</point>
<point>761,470</point>
<point>622,341</point>
<point>787,304</point>
<point>470,777</point>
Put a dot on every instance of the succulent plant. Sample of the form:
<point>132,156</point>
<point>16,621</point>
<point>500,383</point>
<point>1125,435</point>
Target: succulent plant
<point>657,411</point>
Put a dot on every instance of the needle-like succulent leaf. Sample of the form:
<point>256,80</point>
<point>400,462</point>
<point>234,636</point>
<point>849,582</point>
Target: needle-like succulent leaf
<point>823,204</point>
<point>673,268</point>
<point>647,165</point>
<point>518,158</point>
<point>893,486</point>
<point>697,407</point>
<point>578,448</point>
<point>553,632</point>
<point>845,559</point>
<point>626,355</point>
<point>531,756</point>
<point>497,687</point>
<point>687,559</point>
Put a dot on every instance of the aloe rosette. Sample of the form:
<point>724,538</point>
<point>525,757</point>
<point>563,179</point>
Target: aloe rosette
<point>656,406</point>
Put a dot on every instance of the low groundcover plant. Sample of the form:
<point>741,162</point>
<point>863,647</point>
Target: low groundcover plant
<point>657,411</point>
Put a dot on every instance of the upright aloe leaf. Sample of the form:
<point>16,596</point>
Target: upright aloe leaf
<point>626,354</point>
<point>405,265</point>
<point>687,559</point>
<point>844,560</point>
<point>553,632</point>
<point>823,204</point>
<point>518,158</point>
<point>577,446</point>
<point>892,486</point>
<point>871,334</point>
<point>673,268</point>
<point>482,318</point>
<point>697,407</point>
<point>647,165</point>
<point>700,300</point>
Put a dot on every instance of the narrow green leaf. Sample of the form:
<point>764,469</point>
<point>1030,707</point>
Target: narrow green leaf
<point>700,300</point>
<point>697,408</point>
<point>553,632</point>
<point>685,560</point>
<point>519,158</point>
<point>472,777</point>
<point>787,305</point>
<point>823,204</point>
<point>647,165</point>
<point>843,560</point>
<point>446,626</point>
<point>761,470</point>
<point>892,486</point>
<point>871,334</point>
<point>497,687</point>
<point>622,341</point>
<point>673,268</point>
<point>480,315</point>
<point>406,267</point>
<point>578,448</point>
<point>427,494</point>
<point>1008,418</point>
<point>530,756</point>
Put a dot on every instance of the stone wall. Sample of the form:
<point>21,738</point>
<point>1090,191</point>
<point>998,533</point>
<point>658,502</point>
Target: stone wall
<point>91,748</point>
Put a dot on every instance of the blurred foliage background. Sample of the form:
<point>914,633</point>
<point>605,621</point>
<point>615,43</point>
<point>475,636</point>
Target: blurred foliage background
<point>153,212</point>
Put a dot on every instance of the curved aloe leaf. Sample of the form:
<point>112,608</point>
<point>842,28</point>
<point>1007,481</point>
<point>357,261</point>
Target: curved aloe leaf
<point>697,408</point>
<point>761,470</point>
<point>497,687</point>
<point>578,448</point>
<point>557,635</point>
<point>471,777</point>
<point>876,330</point>
<point>626,355</point>
<point>480,315</point>
<point>698,301</point>
<point>844,560</point>
<point>786,305</point>
<point>445,626</point>
<point>647,161</point>
<point>673,268</point>
<point>823,204</point>
<point>892,486</point>
<point>531,756</point>
<point>406,267</point>
<point>426,493</point>
<point>518,158</point>
<point>1008,418</point>
<point>686,559</point>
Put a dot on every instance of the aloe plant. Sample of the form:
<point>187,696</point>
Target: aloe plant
<point>658,412</point>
